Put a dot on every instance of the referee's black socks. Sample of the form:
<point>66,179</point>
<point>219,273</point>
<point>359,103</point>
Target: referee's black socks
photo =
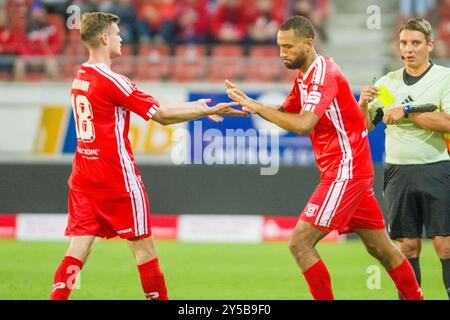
<point>446,275</point>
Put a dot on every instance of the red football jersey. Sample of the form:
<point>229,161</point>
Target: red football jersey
<point>102,101</point>
<point>340,138</point>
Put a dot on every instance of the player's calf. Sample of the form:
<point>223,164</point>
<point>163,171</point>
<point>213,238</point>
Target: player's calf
<point>152,279</point>
<point>80,247</point>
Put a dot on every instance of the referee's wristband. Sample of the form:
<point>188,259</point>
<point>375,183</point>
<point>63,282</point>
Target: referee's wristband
<point>406,111</point>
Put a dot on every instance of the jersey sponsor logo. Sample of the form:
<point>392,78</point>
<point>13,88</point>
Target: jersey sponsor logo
<point>58,285</point>
<point>124,231</point>
<point>311,209</point>
<point>88,152</point>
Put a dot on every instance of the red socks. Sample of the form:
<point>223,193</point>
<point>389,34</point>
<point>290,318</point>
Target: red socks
<point>151,277</point>
<point>319,281</point>
<point>65,277</point>
<point>152,280</point>
<point>405,281</point>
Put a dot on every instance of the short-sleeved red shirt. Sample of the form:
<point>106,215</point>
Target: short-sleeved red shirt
<point>340,138</point>
<point>102,101</point>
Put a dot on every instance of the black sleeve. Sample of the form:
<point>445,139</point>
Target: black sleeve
<point>378,117</point>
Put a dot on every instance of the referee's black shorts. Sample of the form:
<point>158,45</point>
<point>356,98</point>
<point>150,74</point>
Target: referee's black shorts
<point>417,196</point>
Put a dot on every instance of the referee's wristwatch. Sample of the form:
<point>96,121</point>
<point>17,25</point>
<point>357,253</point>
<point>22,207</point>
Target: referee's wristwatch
<point>406,111</point>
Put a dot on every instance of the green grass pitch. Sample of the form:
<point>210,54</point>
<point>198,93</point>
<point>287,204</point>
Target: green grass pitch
<point>203,271</point>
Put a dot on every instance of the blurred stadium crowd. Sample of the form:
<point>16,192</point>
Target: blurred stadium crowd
<point>168,40</point>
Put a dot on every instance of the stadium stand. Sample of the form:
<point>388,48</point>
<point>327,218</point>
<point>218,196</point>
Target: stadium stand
<point>268,56</point>
<point>189,63</point>
<point>226,62</point>
<point>183,43</point>
<point>154,63</point>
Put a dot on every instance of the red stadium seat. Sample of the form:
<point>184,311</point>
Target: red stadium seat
<point>34,76</point>
<point>226,62</point>
<point>264,65</point>
<point>153,63</point>
<point>189,64</point>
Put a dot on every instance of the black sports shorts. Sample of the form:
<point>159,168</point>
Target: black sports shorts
<point>417,196</point>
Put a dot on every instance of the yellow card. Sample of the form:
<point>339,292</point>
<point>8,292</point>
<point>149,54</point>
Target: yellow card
<point>385,97</point>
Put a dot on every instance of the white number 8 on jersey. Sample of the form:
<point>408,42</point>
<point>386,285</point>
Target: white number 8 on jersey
<point>83,118</point>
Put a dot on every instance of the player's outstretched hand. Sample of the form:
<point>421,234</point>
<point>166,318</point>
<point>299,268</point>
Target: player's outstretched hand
<point>241,98</point>
<point>222,109</point>
<point>368,93</point>
<point>225,109</point>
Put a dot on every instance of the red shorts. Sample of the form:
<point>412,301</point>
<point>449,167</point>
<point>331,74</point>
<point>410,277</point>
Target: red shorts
<point>345,206</point>
<point>107,215</point>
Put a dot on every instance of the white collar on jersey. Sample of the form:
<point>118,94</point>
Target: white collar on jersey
<point>305,76</point>
<point>94,64</point>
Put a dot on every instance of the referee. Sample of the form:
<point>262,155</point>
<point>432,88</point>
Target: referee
<point>417,174</point>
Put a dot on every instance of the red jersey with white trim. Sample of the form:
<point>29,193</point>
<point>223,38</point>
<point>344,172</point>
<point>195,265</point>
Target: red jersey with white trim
<point>102,101</point>
<point>340,138</point>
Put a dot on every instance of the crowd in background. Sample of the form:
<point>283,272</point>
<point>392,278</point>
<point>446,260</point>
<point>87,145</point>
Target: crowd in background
<point>36,29</point>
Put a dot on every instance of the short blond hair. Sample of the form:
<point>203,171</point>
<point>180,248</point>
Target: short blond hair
<point>93,24</point>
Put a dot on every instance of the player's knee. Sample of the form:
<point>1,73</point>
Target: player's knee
<point>298,251</point>
<point>293,247</point>
<point>299,246</point>
<point>409,248</point>
<point>442,246</point>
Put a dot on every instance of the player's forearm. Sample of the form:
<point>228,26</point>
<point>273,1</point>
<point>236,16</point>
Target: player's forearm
<point>292,122</point>
<point>171,115</point>
<point>434,121</point>
<point>369,122</point>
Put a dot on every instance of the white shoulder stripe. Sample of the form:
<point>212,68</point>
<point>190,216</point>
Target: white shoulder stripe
<point>319,75</point>
<point>324,69</point>
<point>120,78</point>
<point>117,84</point>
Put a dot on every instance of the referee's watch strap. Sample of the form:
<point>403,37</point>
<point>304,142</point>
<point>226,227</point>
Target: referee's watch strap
<point>406,111</point>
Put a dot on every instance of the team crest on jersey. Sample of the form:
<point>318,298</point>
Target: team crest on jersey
<point>311,209</point>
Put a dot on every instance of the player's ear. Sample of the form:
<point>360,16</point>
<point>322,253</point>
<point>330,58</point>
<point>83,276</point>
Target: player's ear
<point>103,39</point>
<point>309,44</point>
<point>430,46</point>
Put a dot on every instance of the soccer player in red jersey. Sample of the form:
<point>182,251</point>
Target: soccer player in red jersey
<point>107,197</point>
<point>322,105</point>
